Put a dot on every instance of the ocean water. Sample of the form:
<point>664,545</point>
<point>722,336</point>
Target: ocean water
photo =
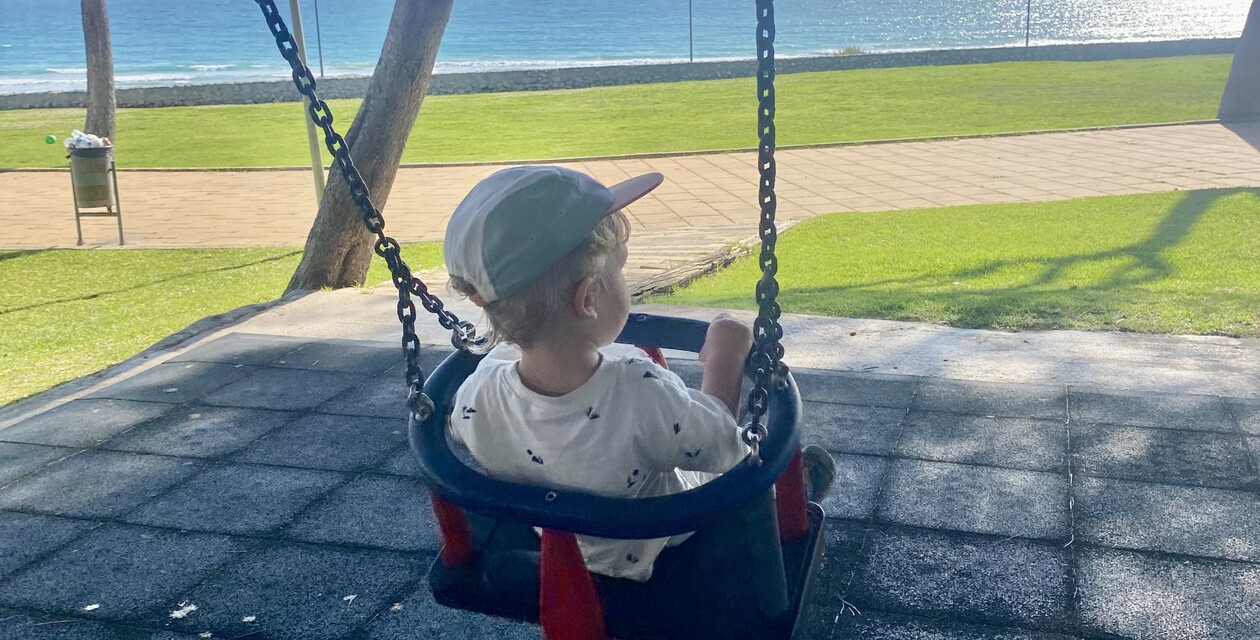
<point>166,42</point>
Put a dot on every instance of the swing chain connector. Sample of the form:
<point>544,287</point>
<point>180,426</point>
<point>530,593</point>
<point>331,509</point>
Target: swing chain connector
<point>463,334</point>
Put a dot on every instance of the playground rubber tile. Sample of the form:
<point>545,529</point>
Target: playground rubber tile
<point>1018,443</point>
<point>1136,595</point>
<point>96,484</point>
<point>1160,411</point>
<point>1247,414</point>
<point>1000,399</point>
<point>869,389</point>
<point>128,572</point>
<point>876,625</point>
<point>244,499</point>
<point>18,625</point>
<point>283,389</point>
<point>380,397</point>
<point>201,431</point>
<point>17,460</point>
<point>175,382</point>
<point>982,579</point>
<point>83,423</point>
<point>402,463</point>
<point>1196,458</point>
<point>351,356</point>
<point>1254,445</point>
<point>391,513</point>
<point>857,483</point>
<point>244,348</point>
<point>339,443</point>
<point>1194,521</point>
<point>300,591</point>
<point>849,428</point>
<point>418,616</point>
<point>25,537</point>
<point>941,495</point>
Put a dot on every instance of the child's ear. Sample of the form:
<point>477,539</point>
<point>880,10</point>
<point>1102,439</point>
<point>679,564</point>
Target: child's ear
<point>584,300</point>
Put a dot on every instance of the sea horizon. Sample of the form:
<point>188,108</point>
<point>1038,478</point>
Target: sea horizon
<point>155,44</point>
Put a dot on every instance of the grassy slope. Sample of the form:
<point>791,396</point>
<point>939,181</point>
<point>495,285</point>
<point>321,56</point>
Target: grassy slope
<point>65,314</point>
<point>1181,262</point>
<point>813,107</point>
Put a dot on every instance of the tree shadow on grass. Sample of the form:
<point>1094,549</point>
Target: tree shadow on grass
<point>21,253</point>
<point>168,278</point>
<point>1045,300</point>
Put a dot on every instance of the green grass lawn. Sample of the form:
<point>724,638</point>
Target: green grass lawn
<point>685,116</point>
<point>65,314</point>
<point>1180,262</point>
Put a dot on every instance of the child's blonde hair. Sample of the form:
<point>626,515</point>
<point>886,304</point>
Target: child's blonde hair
<point>520,317</point>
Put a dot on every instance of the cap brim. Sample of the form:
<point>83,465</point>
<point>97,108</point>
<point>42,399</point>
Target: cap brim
<point>625,193</point>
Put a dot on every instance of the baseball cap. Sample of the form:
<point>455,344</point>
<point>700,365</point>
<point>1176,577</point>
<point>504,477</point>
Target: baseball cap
<point>518,222</point>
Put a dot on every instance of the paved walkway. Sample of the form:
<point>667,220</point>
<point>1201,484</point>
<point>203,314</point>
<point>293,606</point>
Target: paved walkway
<point>715,192</point>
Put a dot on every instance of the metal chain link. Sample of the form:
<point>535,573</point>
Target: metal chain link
<point>765,363</point>
<point>462,333</point>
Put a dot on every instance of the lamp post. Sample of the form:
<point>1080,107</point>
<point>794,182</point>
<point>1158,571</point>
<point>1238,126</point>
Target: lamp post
<point>1027,21</point>
<point>317,160</point>
<point>319,40</point>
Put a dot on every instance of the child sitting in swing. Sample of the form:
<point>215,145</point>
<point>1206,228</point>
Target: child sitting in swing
<point>541,250</point>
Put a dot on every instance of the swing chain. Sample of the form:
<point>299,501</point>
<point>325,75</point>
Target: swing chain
<point>463,334</point>
<point>765,363</point>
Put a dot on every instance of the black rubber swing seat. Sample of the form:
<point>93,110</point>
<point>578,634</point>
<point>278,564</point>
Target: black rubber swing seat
<point>733,579</point>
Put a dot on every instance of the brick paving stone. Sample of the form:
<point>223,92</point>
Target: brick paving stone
<point>175,382</point>
<point>992,399</point>
<point>1137,595</point>
<point>857,484</point>
<point>301,591</point>
<point>1247,413</point>
<point>130,572</point>
<point>876,625</point>
<point>340,443</point>
<point>850,428</point>
<point>83,423</point>
<point>17,460</point>
<point>351,356</point>
<point>391,513</point>
<point>874,390</point>
<point>243,499</point>
<point>1198,521</point>
<point>1163,411</point>
<point>699,190</point>
<point>25,537</point>
<point>418,616</point>
<point>200,431</point>
<point>1034,445</point>
<point>1162,455</point>
<point>244,348</point>
<point>958,577</point>
<point>96,484</point>
<point>283,389</point>
<point>976,499</point>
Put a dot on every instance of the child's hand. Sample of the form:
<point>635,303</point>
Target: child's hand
<point>726,335</point>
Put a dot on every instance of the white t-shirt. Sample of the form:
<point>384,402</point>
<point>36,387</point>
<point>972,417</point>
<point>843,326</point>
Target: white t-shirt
<point>633,430</point>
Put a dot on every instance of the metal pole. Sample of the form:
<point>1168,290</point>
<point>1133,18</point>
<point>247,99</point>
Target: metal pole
<point>317,160</point>
<point>319,40</point>
<point>691,41</point>
<point>1027,22</point>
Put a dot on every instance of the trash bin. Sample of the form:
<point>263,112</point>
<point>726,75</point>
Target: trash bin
<point>91,175</point>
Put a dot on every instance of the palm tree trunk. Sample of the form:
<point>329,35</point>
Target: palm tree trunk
<point>1241,100</point>
<point>100,70</point>
<point>338,248</point>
